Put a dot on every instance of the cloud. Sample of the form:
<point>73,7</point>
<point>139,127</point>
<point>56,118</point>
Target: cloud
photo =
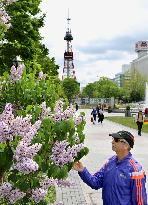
<point>114,45</point>
<point>104,32</point>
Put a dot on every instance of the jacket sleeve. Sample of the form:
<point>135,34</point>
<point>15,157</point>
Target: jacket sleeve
<point>139,195</point>
<point>94,181</point>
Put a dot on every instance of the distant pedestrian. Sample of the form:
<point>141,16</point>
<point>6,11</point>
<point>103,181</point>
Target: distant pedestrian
<point>139,121</point>
<point>94,114</point>
<point>122,178</point>
<point>101,116</point>
<point>98,108</point>
<point>77,107</point>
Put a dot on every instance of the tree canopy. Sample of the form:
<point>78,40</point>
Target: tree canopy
<point>104,88</point>
<point>71,88</point>
<point>23,38</point>
<point>136,86</point>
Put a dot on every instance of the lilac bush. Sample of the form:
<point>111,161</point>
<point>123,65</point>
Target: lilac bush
<point>40,138</point>
<point>19,135</point>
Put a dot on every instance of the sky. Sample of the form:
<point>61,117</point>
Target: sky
<point>104,34</point>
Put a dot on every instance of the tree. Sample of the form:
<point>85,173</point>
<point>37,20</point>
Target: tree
<point>71,88</point>
<point>89,91</point>
<point>106,88</point>
<point>136,85</point>
<point>4,17</point>
<point>23,38</point>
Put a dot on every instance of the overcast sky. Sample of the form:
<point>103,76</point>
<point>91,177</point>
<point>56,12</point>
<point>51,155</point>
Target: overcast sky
<point>104,34</point>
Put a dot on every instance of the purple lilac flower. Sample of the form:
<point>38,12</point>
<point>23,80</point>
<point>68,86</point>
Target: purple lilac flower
<point>42,76</point>
<point>38,194</point>
<point>32,132</point>
<point>12,195</point>
<point>16,73</point>
<point>78,120</point>
<point>26,165</point>
<point>23,150</point>
<point>64,183</point>
<point>21,126</point>
<point>45,111</point>
<point>60,115</point>
<point>7,115</point>
<point>5,189</point>
<point>5,132</point>
<point>58,107</point>
<point>63,153</point>
<point>15,195</point>
<point>4,17</point>
<point>46,183</point>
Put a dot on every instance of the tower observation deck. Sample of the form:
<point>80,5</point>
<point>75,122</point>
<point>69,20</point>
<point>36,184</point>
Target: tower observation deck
<point>68,70</point>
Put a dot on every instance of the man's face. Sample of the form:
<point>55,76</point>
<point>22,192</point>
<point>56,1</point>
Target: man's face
<point>119,145</point>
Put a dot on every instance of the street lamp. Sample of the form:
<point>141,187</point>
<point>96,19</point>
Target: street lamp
<point>17,61</point>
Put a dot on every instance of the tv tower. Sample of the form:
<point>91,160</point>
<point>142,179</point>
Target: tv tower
<point>68,70</point>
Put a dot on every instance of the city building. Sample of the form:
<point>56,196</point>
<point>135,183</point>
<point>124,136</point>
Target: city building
<point>141,63</point>
<point>119,79</point>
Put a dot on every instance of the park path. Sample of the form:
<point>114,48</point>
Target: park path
<point>99,143</point>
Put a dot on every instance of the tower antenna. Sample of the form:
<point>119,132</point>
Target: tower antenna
<point>68,70</point>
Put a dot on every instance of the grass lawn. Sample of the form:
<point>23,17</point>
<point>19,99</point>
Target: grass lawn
<point>127,121</point>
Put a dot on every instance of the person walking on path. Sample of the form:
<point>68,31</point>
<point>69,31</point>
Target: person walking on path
<point>139,121</point>
<point>98,108</point>
<point>122,178</point>
<point>77,107</point>
<point>101,116</point>
<point>94,114</point>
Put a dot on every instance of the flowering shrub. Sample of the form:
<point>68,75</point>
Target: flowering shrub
<point>38,143</point>
<point>24,90</point>
<point>28,156</point>
<point>4,17</point>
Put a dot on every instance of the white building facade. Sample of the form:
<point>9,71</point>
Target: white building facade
<point>141,63</point>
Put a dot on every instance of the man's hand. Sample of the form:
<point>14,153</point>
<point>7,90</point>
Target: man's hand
<point>78,166</point>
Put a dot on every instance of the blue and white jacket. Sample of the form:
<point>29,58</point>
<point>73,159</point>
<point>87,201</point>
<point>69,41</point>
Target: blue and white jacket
<point>122,182</point>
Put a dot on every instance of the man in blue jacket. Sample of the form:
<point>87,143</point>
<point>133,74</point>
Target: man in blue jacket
<point>122,178</point>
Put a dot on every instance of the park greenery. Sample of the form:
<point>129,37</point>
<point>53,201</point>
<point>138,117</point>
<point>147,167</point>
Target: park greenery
<point>71,88</point>
<point>40,134</point>
<point>104,88</point>
<point>40,137</point>
<point>23,38</point>
<point>133,89</point>
<point>127,121</point>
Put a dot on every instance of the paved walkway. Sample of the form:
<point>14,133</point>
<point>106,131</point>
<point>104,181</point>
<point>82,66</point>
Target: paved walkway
<point>99,143</point>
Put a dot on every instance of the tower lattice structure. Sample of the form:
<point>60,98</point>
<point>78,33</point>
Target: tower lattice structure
<point>68,70</point>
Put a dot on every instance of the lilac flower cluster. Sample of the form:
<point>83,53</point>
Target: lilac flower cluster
<point>11,126</point>
<point>10,1</point>
<point>45,111</point>
<point>16,73</point>
<point>78,120</point>
<point>63,153</point>
<point>5,124</point>
<point>4,17</point>
<point>24,153</point>
<point>10,194</point>
<point>42,76</point>
<point>46,183</point>
<point>38,194</point>
<point>64,183</point>
<point>60,115</point>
